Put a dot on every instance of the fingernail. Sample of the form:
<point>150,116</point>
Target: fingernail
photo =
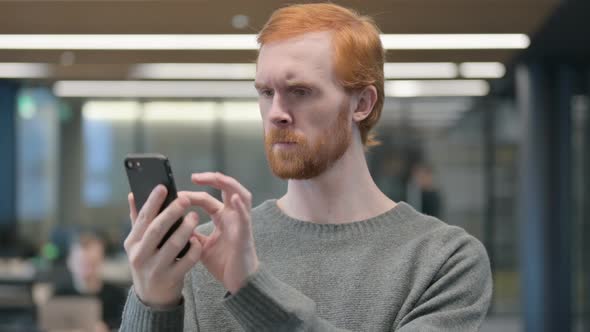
<point>159,189</point>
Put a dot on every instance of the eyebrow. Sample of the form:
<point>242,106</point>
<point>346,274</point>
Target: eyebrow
<point>259,86</point>
<point>297,83</point>
<point>289,84</point>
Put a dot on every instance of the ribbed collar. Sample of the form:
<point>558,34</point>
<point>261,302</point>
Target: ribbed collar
<point>401,213</point>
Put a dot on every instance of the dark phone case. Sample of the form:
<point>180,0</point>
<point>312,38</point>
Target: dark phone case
<point>153,169</point>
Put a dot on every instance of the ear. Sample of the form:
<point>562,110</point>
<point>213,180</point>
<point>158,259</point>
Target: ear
<point>366,100</point>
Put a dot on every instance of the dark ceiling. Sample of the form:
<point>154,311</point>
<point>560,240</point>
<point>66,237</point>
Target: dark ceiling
<point>196,17</point>
<point>565,35</point>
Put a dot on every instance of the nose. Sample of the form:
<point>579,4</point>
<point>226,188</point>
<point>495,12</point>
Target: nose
<point>279,114</point>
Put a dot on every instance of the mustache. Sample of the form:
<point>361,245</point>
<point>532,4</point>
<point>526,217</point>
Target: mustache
<point>284,135</point>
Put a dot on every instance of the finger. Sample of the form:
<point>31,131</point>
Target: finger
<point>219,181</point>
<point>148,212</point>
<point>243,211</point>
<point>207,240</point>
<point>224,183</point>
<point>132,208</point>
<point>192,256</point>
<point>178,239</point>
<point>202,238</point>
<point>202,199</point>
<point>162,223</point>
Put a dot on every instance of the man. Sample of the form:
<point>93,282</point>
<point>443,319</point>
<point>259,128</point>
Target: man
<point>85,261</point>
<point>334,253</point>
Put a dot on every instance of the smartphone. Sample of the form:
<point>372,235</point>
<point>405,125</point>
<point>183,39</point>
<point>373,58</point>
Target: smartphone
<point>145,172</point>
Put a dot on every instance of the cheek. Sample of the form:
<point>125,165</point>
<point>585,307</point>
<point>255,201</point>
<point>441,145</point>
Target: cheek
<point>324,116</point>
<point>263,108</point>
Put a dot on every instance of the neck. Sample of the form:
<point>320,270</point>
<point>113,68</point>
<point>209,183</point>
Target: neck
<point>342,194</point>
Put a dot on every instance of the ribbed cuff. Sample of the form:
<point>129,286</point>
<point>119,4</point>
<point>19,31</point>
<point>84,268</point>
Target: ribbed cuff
<point>139,317</point>
<point>266,303</point>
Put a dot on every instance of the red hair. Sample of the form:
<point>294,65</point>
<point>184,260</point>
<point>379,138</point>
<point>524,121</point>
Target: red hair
<point>358,53</point>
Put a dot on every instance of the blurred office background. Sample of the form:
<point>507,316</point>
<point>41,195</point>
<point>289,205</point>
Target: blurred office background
<point>488,131</point>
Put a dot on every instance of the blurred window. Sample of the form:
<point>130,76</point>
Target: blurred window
<point>37,154</point>
<point>108,133</point>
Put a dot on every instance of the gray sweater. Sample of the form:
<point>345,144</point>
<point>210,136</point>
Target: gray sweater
<point>399,271</point>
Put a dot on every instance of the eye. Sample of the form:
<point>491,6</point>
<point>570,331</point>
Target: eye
<point>300,92</point>
<point>265,92</point>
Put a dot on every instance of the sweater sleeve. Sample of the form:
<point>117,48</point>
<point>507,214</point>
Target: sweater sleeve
<point>191,323</point>
<point>139,317</point>
<point>459,296</point>
<point>267,304</point>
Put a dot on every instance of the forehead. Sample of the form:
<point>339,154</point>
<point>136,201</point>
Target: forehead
<point>87,246</point>
<point>306,57</point>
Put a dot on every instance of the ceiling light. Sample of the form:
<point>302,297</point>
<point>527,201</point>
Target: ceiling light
<point>454,41</point>
<point>246,41</point>
<point>482,69</point>
<point>245,89</point>
<point>244,71</point>
<point>156,89</point>
<point>435,88</point>
<point>179,112</point>
<point>420,70</point>
<point>229,71</point>
<point>442,105</point>
<point>240,21</point>
<point>445,103</point>
<point>24,70</point>
<point>241,111</point>
<point>111,110</point>
<point>129,42</point>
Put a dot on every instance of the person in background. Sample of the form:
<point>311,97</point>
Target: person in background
<point>85,260</point>
<point>422,193</point>
<point>334,253</point>
<point>389,176</point>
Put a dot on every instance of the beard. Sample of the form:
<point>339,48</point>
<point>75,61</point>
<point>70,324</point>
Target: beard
<point>306,160</point>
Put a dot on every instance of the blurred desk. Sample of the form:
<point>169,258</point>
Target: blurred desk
<point>17,307</point>
<point>23,288</point>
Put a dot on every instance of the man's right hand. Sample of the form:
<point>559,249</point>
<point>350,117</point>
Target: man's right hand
<point>157,275</point>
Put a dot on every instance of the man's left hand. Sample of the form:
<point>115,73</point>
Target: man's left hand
<point>228,252</point>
